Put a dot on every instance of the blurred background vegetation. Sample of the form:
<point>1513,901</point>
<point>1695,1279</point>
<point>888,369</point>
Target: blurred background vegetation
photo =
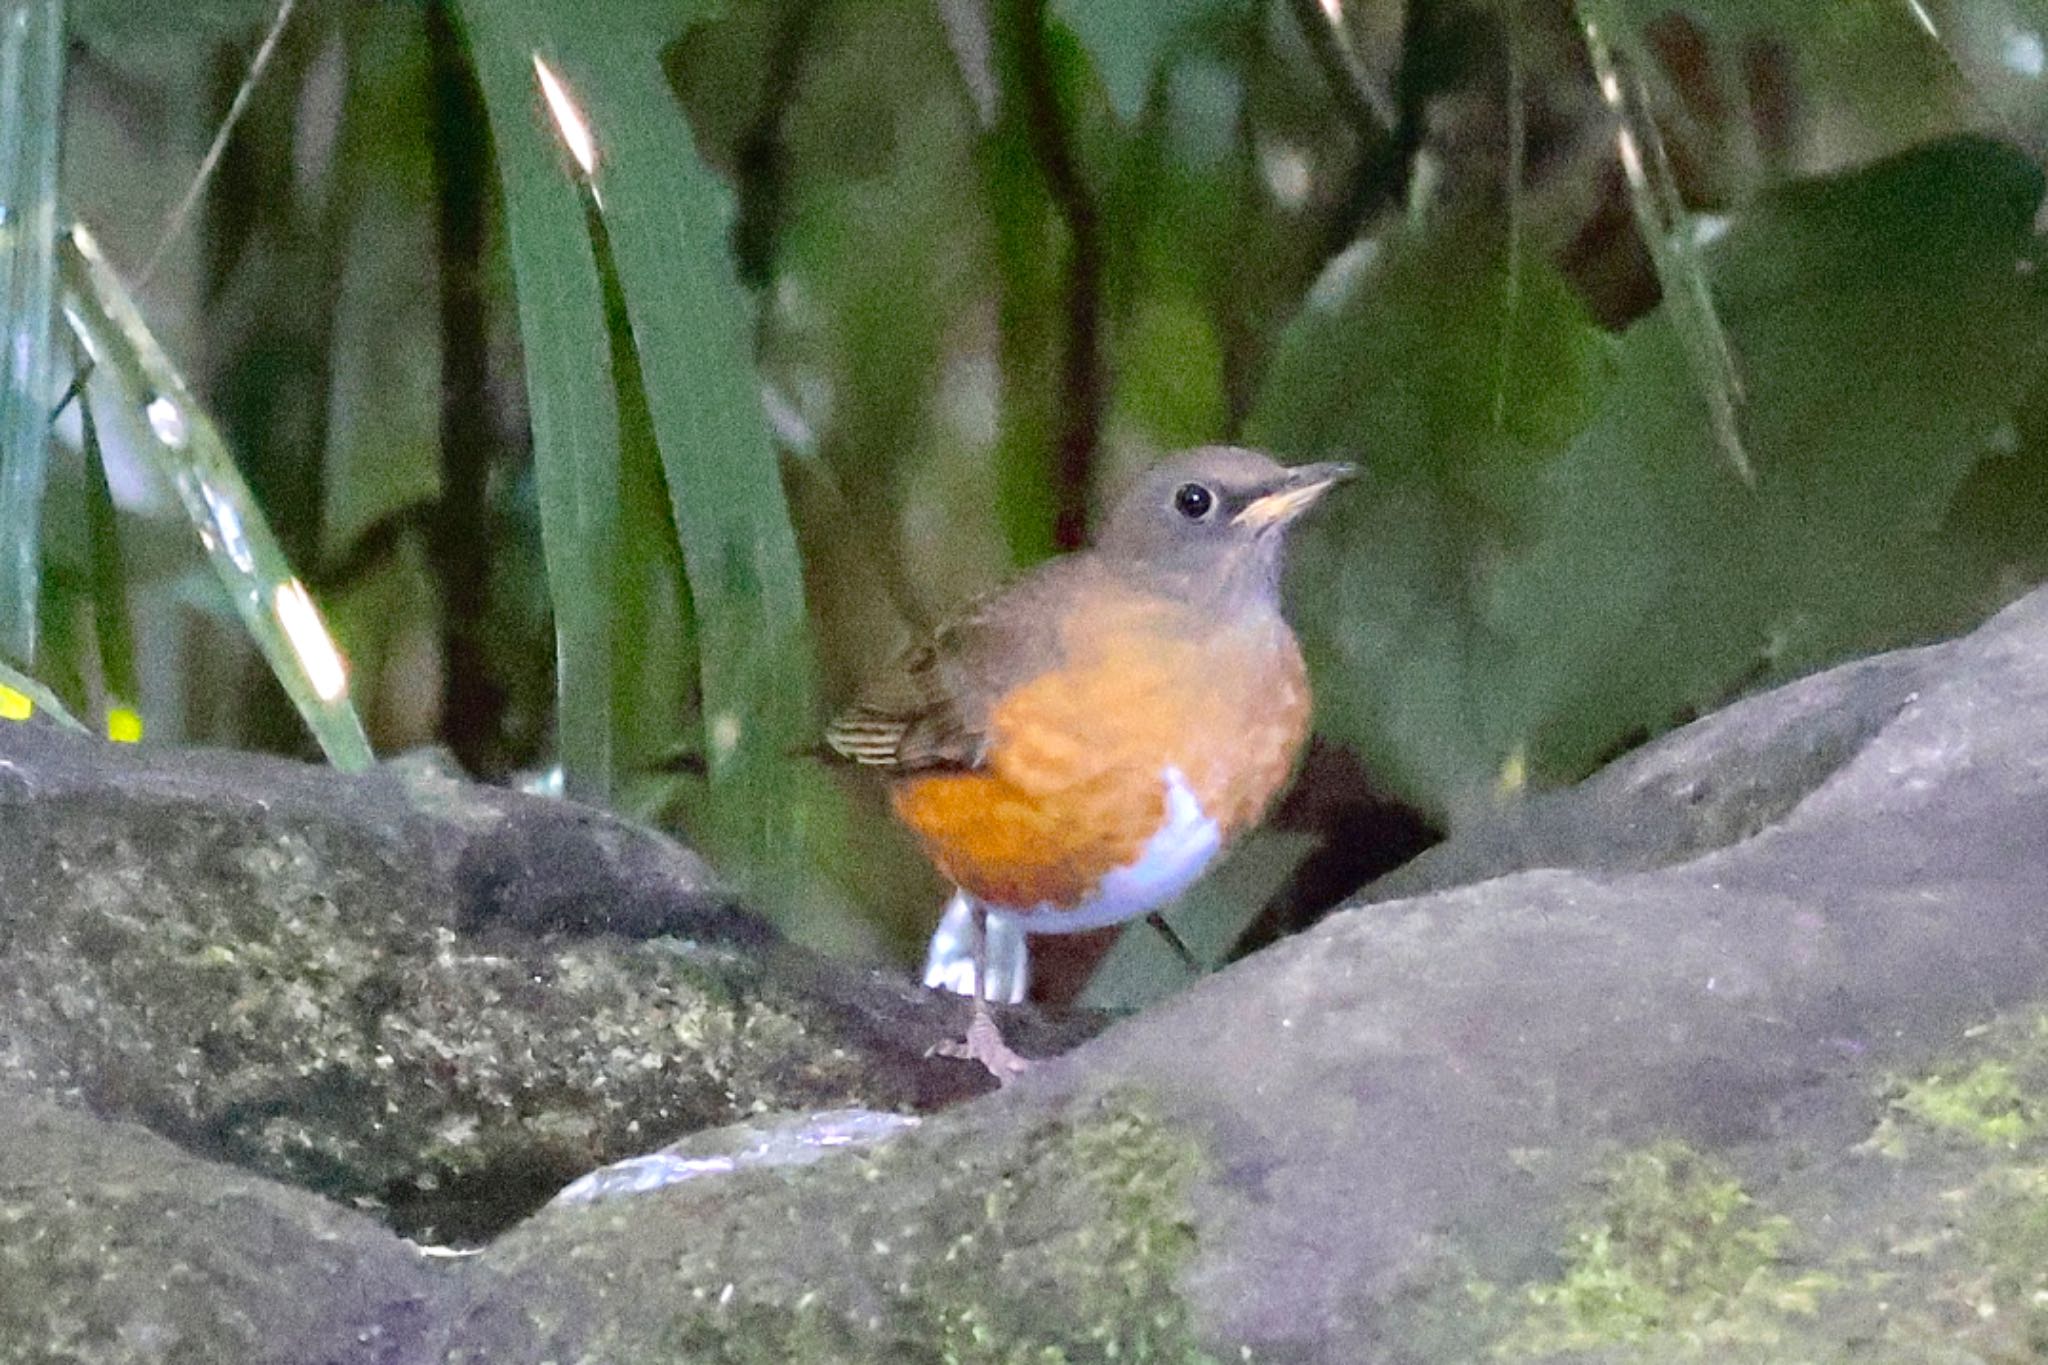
<point>1689,347</point>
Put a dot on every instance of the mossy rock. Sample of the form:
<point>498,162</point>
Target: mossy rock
<point>1008,1236</point>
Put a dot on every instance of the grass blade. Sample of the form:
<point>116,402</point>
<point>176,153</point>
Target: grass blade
<point>667,218</point>
<point>31,106</point>
<point>270,599</point>
<point>572,392</point>
<point>662,222</point>
<point>115,638</point>
<point>22,696</point>
<point>1667,230</point>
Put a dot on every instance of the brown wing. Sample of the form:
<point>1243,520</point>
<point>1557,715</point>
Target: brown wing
<point>910,718</point>
<point>929,709</point>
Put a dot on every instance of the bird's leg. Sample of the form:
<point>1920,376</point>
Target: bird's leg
<point>984,1042</point>
<point>1175,942</point>
<point>984,1039</point>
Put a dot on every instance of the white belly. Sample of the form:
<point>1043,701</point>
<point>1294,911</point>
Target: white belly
<point>1172,860</point>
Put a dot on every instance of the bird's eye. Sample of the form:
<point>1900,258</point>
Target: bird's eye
<point>1193,501</point>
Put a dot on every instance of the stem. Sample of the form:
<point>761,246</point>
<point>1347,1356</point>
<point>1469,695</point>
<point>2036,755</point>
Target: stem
<point>459,540</point>
<point>1079,419</point>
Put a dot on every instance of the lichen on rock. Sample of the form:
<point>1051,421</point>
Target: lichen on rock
<point>971,1242</point>
<point>442,1007</point>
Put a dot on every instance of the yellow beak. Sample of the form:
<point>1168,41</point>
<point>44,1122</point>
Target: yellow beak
<point>1303,486</point>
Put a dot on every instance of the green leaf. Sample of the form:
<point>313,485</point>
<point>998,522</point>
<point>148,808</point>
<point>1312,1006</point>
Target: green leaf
<point>109,573</point>
<point>654,665</point>
<point>22,697</point>
<point>274,605</point>
<point>662,220</point>
<point>1401,359</point>
<point>1210,919</point>
<point>572,394</point>
<point>31,113</point>
<point>668,219</point>
<point>1893,321</point>
<point>1416,354</point>
<point>1892,324</point>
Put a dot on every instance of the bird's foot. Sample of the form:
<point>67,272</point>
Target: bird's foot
<point>984,1043</point>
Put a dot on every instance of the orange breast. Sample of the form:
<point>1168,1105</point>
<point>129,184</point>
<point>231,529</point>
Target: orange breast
<point>1074,785</point>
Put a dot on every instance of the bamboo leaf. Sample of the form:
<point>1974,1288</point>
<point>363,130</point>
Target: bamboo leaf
<point>273,604</point>
<point>572,392</point>
<point>31,107</point>
<point>668,221</point>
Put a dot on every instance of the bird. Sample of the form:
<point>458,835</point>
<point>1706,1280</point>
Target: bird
<point>1075,749</point>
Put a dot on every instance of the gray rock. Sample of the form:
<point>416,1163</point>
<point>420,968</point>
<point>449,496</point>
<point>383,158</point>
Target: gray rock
<point>780,1140</point>
<point>1635,1109</point>
<point>1728,940</point>
<point>1740,1051</point>
<point>404,989</point>
<point>1711,784</point>
<point>118,1247</point>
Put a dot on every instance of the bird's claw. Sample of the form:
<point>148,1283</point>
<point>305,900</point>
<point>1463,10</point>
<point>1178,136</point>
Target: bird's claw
<point>984,1043</point>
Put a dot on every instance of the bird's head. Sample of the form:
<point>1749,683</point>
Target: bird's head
<point>1214,519</point>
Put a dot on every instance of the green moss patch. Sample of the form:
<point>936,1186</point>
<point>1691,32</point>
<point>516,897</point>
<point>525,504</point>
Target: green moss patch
<point>2010,1236</point>
<point>1970,1273</point>
<point>1676,1252</point>
<point>1987,1103</point>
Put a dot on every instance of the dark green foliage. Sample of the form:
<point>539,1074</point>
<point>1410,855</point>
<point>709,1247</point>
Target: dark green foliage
<point>865,304</point>
<point>1584,571</point>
